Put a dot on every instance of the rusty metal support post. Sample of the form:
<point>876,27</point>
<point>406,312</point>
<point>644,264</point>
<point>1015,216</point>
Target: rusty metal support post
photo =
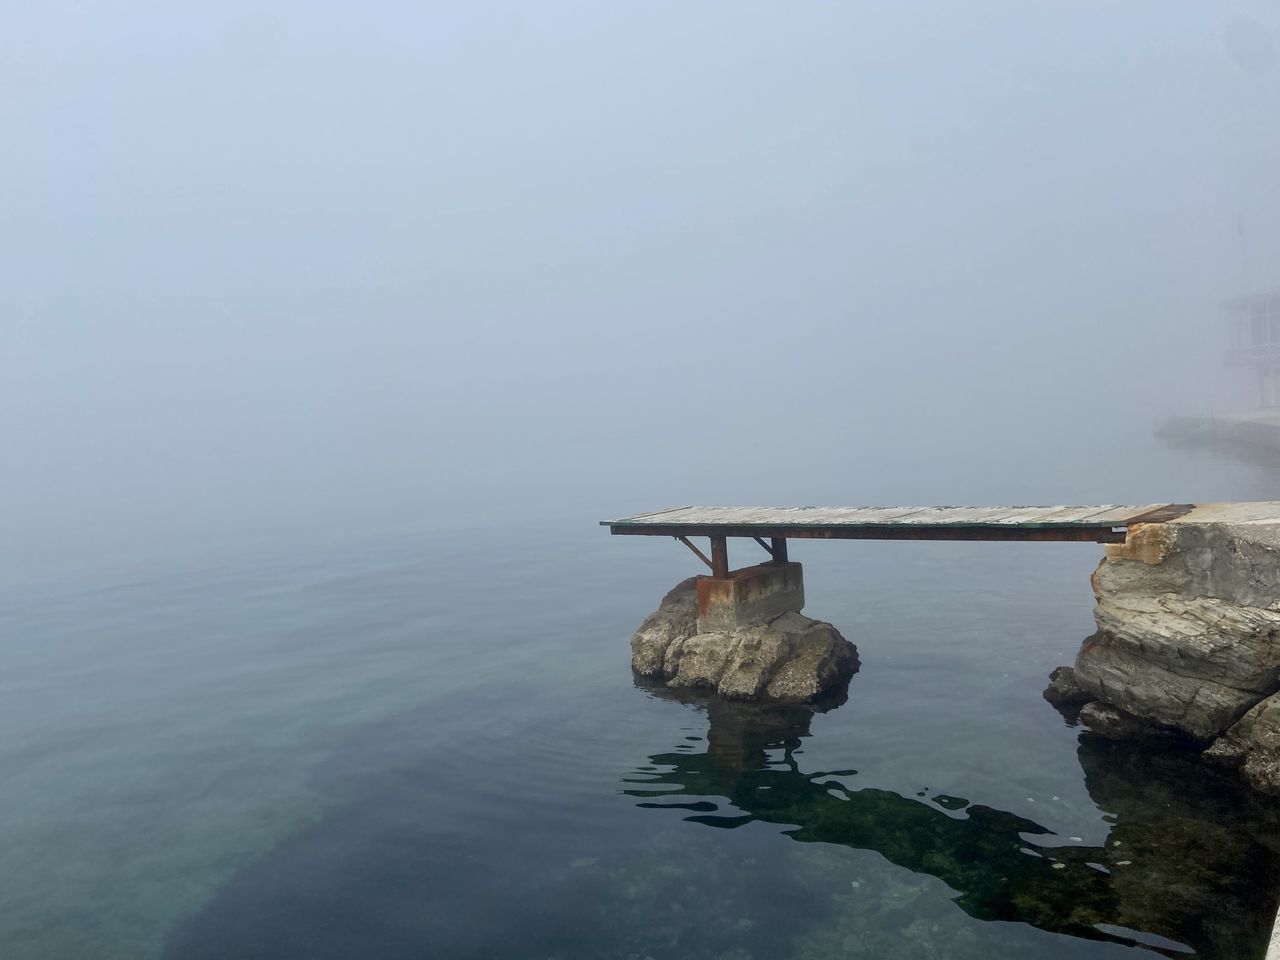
<point>779,550</point>
<point>719,556</point>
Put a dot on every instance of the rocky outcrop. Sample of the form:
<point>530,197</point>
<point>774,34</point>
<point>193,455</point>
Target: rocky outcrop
<point>1252,746</point>
<point>1196,665</point>
<point>1114,724</point>
<point>658,641</point>
<point>1064,691</point>
<point>788,658</point>
<point>1188,638</point>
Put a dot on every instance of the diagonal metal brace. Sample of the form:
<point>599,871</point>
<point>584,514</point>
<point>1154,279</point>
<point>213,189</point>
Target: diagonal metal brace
<point>701,556</point>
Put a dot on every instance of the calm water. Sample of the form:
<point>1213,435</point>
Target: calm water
<point>433,747</point>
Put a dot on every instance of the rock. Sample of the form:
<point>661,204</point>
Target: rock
<point>820,660</point>
<point>1262,772</point>
<point>1253,746</point>
<point>789,658</point>
<point>1188,618</point>
<point>1230,552</point>
<point>1064,690</point>
<point>1106,721</point>
<point>1197,665</point>
<point>1225,753</point>
<point>655,648</point>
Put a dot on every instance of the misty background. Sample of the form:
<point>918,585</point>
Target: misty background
<point>276,272</point>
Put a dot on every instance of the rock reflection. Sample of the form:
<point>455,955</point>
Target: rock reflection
<point>1189,866</point>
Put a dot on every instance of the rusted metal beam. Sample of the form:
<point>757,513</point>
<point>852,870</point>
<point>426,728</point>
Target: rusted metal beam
<point>767,549</point>
<point>719,556</point>
<point>701,556</point>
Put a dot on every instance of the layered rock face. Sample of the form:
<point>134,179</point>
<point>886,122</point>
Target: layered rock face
<point>788,657</point>
<point>1188,639</point>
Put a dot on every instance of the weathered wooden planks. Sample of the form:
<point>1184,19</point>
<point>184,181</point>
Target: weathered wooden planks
<point>1102,523</point>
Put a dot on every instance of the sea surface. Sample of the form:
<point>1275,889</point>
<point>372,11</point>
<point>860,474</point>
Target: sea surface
<point>430,745</point>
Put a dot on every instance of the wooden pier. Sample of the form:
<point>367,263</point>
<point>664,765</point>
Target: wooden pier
<point>771,527</point>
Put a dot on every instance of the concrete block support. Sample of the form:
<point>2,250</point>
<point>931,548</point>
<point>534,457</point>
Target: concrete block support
<point>750,595</point>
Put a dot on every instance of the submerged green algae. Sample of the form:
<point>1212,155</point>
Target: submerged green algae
<point>1186,866</point>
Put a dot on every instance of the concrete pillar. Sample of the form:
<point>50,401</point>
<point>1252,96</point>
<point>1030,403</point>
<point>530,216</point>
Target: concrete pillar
<point>750,595</point>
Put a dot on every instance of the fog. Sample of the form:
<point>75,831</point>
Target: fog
<point>273,270</point>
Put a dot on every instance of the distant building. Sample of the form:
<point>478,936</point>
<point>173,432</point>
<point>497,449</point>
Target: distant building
<point>1255,341</point>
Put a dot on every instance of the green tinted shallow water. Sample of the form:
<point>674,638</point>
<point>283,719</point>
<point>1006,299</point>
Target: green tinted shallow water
<point>380,752</point>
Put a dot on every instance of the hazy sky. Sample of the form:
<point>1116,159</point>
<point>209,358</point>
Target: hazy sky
<point>269,268</point>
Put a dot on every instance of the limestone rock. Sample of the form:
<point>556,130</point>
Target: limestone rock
<point>1064,690</point>
<point>820,659</point>
<point>1229,552</point>
<point>655,648</point>
<point>1188,618</point>
<point>1253,745</point>
<point>1106,721</point>
<point>1197,665</point>
<point>1201,639</point>
<point>790,658</point>
<point>1225,753</point>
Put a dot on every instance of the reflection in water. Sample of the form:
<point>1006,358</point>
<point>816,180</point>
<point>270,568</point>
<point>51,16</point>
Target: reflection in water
<point>1185,868</point>
<point>482,841</point>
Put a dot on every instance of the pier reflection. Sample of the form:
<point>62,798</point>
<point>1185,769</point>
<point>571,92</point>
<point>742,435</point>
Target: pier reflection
<point>1189,865</point>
